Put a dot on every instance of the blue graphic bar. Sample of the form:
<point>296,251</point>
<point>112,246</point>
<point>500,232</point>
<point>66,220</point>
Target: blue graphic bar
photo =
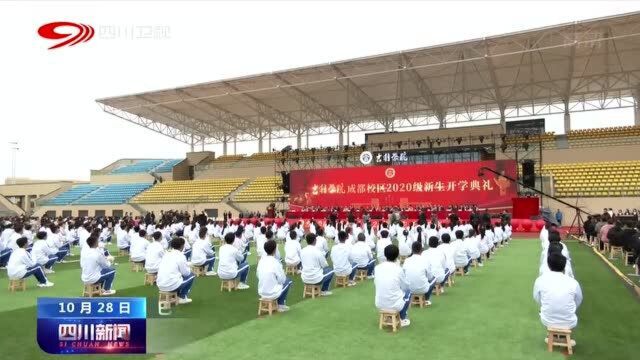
<point>66,308</point>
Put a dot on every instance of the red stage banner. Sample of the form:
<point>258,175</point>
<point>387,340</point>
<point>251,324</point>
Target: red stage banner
<point>525,208</point>
<point>405,185</point>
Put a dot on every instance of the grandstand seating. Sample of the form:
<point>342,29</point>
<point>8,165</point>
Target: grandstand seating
<point>263,156</point>
<point>167,166</point>
<point>229,158</point>
<point>595,179</point>
<point>262,189</point>
<point>140,166</point>
<point>112,194</point>
<point>189,191</point>
<point>73,194</point>
<point>620,135</point>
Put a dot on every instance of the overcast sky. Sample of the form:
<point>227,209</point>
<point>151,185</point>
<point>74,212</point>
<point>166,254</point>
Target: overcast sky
<point>48,96</point>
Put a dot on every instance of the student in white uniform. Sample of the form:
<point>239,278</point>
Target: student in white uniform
<point>96,268</point>
<point>43,254</point>
<point>462,257</point>
<point>122,238</point>
<point>362,257</point>
<point>418,277</point>
<point>392,288</point>
<point>154,254</point>
<point>472,243</point>
<point>544,235</point>
<point>139,246</point>
<point>272,282</point>
<point>383,242</point>
<point>558,295</point>
<point>557,248</point>
<point>404,242</point>
<point>203,254</point>
<point>449,252</point>
<point>321,242</point>
<point>21,265</point>
<point>56,243</point>
<point>174,274</point>
<point>241,243</point>
<point>340,257</point>
<point>231,264</point>
<point>270,236</point>
<point>5,250</point>
<point>292,250</point>
<point>261,239</point>
<point>330,232</point>
<point>17,234</point>
<point>315,269</point>
<point>436,262</point>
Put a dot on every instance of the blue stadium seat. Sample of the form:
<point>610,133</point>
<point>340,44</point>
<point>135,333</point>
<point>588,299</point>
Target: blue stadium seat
<point>113,194</point>
<point>73,194</point>
<point>140,166</point>
<point>167,166</point>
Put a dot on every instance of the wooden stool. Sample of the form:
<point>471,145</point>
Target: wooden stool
<point>474,262</point>
<point>123,252</point>
<point>616,250</point>
<point>342,281</point>
<point>311,290</point>
<point>268,306</point>
<point>606,247</point>
<point>166,299</point>
<point>291,269</point>
<point>197,270</point>
<point>563,336</point>
<point>228,285</point>
<point>450,281</point>
<point>389,318</point>
<point>17,285</point>
<point>628,256</point>
<point>437,290</point>
<point>418,299</point>
<point>137,266</point>
<point>361,274</point>
<point>91,290</point>
<point>460,271</point>
<point>150,279</point>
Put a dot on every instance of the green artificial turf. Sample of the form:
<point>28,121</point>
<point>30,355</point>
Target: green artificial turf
<point>489,314</point>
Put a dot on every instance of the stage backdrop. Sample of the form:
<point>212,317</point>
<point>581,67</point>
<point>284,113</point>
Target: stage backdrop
<point>405,185</point>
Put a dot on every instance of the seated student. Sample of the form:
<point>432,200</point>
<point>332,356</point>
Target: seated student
<point>292,250</point>
<point>203,254</point>
<point>321,242</point>
<point>5,250</point>
<point>330,232</point>
<point>123,240</point>
<point>362,257</point>
<point>232,264</point>
<point>392,288</point>
<point>558,295</point>
<point>554,236</point>
<point>43,254</point>
<point>417,273</point>
<point>240,243</point>
<point>96,268</point>
<point>315,269</point>
<point>556,247</point>
<point>404,242</point>
<point>436,262</point>
<point>340,257</point>
<point>139,247</point>
<point>21,265</point>
<point>449,252</point>
<point>186,251</point>
<point>462,257</point>
<point>272,282</point>
<point>383,242</point>
<point>56,243</point>
<point>473,245</point>
<point>154,254</point>
<point>261,239</point>
<point>483,244</point>
<point>174,274</point>
<point>269,235</point>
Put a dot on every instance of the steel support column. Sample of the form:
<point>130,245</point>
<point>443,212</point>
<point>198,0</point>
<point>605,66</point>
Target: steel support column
<point>235,146</point>
<point>307,135</point>
<point>224,147</point>
<point>442,121</point>
<point>503,120</point>
<point>299,139</point>
<point>270,148</point>
<point>260,145</point>
<point>567,118</point>
<point>341,137</point>
<point>636,107</point>
<point>192,143</point>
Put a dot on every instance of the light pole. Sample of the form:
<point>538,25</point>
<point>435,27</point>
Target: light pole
<point>14,151</point>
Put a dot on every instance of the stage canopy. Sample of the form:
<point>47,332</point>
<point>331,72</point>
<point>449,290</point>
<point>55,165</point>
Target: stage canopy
<point>580,66</point>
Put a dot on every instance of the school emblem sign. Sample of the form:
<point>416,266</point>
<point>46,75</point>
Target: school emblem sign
<point>390,173</point>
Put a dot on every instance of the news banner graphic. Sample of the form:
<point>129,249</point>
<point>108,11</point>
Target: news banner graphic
<point>92,326</point>
<point>52,31</point>
<point>387,157</point>
<point>405,185</point>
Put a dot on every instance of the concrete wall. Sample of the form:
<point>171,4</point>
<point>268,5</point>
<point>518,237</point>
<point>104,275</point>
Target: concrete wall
<point>591,205</point>
<point>31,191</point>
<point>90,208</point>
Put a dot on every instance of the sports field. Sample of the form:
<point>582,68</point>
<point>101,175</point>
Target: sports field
<point>488,314</point>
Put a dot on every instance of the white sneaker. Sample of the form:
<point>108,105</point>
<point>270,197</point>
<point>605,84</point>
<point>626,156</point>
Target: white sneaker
<point>49,271</point>
<point>248,253</point>
<point>211,273</point>
<point>481,264</point>
<point>326,293</point>
<point>283,308</point>
<point>441,289</point>
<point>298,272</point>
<point>242,286</point>
<point>370,277</point>
<point>182,301</point>
<point>47,284</point>
<point>428,303</point>
<point>351,283</point>
<point>3,268</point>
<point>405,322</point>
<point>108,292</point>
